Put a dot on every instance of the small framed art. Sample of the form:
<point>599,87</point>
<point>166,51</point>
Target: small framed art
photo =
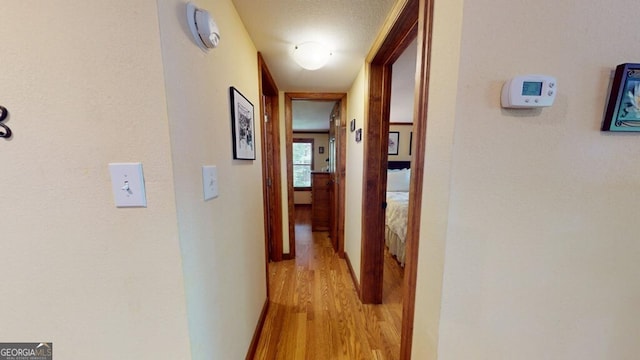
<point>359,135</point>
<point>623,108</point>
<point>321,150</point>
<point>242,124</point>
<point>353,125</point>
<point>394,142</point>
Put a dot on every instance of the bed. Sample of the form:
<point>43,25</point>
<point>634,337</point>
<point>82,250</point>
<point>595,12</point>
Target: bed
<point>398,175</point>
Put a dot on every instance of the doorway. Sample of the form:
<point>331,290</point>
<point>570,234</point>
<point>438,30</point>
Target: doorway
<point>335,155</point>
<point>376,149</point>
<point>412,20</point>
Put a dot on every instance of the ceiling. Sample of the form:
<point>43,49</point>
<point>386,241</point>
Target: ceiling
<point>311,115</point>
<point>347,27</point>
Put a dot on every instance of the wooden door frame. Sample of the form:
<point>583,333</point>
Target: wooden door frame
<point>408,20</point>
<point>288,120</point>
<point>269,89</point>
<point>377,106</point>
<point>340,175</point>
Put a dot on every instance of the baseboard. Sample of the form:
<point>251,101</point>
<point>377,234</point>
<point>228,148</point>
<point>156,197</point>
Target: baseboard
<point>353,274</point>
<point>256,335</point>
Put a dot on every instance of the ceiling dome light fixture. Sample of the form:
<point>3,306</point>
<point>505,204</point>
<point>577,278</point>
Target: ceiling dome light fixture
<point>311,55</point>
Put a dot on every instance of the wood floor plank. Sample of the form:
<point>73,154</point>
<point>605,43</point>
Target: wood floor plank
<point>314,310</point>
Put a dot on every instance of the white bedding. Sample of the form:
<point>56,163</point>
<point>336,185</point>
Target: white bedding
<point>396,223</point>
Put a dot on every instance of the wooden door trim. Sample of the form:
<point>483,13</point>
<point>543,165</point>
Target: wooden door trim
<point>288,120</point>
<point>342,171</point>
<point>408,20</point>
<point>421,101</point>
<point>389,46</point>
<point>288,125</point>
<point>269,89</point>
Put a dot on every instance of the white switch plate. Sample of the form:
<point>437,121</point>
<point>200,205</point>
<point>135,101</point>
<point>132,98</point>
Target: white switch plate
<point>127,182</point>
<point>210,182</point>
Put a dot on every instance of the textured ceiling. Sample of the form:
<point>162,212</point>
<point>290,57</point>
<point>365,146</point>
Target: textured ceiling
<point>347,27</point>
<point>314,115</point>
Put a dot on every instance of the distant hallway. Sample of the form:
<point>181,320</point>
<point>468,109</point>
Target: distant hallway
<point>315,312</point>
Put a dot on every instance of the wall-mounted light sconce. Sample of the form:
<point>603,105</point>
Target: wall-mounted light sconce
<point>204,30</point>
<point>311,55</point>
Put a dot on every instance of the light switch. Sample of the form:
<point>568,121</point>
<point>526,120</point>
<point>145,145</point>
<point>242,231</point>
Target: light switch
<point>210,182</point>
<point>127,182</point>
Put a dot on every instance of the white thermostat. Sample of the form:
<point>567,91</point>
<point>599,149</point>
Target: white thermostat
<point>529,91</point>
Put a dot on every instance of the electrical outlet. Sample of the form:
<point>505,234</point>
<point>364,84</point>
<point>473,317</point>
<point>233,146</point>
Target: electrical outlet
<point>127,182</point>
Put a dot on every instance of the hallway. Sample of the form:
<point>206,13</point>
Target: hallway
<point>315,312</point>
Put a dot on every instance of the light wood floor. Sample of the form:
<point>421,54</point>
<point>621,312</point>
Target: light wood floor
<point>315,313</point>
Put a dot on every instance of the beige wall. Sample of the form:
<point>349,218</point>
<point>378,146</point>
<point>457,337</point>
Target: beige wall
<point>83,83</point>
<point>222,240</point>
<point>542,256</point>
<point>83,269</point>
<point>354,173</point>
<point>319,161</point>
<point>437,178</point>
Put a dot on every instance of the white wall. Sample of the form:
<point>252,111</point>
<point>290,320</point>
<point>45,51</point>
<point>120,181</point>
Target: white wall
<point>222,240</point>
<point>354,173</point>
<point>542,256</point>
<point>98,281</point>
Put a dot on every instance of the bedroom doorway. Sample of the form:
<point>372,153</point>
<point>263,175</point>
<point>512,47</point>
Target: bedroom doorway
<point>399,155</point>
<point>380,150</point>
<point>412,20</point>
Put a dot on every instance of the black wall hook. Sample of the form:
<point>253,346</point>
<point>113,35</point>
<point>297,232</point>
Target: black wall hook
<point>3,115</point>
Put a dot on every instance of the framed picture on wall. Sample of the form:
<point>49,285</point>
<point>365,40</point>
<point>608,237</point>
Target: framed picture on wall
<point>359,135</point>
<point>242,124</point>
<point>321,150</point>
<point>623,108</point>
<point>353,125</point>
<point>394,142</point>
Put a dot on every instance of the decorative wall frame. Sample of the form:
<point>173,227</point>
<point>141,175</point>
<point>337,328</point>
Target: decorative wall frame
<point>394,142</point>
<point>623,108</point>
<point>359,135</point>
<point>243,127</point>
<point>353,125</point>
<point>321,150</point>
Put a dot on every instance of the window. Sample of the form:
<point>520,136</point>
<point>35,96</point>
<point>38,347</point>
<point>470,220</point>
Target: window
<point>302,163</point>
